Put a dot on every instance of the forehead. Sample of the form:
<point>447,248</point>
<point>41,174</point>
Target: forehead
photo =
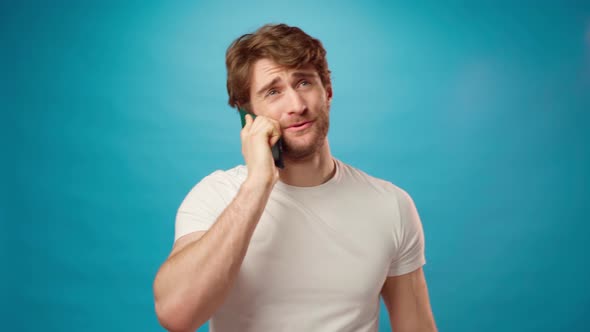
<point>265,70</point>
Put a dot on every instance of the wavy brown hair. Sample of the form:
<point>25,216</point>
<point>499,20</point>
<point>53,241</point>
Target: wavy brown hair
<point>287,46</point>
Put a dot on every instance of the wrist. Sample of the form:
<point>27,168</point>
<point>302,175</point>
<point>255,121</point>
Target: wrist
<point>260,185</point>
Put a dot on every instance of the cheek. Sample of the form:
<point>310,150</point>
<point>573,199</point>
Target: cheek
<point>317,101</point>
<point>275,113</point>
<point>274,109</point>
<point>264,110</point>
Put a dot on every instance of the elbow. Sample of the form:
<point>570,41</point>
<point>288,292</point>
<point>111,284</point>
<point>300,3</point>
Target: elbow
<point>174,318</point>
<point>175,309</point>
<point>168,311</point>
<point>175,313</point>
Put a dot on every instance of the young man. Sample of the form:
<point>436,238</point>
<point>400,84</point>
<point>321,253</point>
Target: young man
<point>309,247</point>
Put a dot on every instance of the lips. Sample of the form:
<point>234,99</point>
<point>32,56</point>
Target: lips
<point>299,126</point>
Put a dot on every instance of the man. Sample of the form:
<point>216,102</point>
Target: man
<point>309,247</point>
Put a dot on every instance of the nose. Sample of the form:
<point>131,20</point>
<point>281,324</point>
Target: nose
<point>296,103</point>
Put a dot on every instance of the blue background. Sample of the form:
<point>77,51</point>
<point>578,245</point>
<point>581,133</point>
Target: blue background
<point>112,111</point>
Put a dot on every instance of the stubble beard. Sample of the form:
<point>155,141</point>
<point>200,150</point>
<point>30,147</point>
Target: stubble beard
<point>298,151</point>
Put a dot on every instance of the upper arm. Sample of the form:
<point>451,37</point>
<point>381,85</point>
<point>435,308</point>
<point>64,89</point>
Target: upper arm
<point>409,246</point>
<point>407,301</point>
<point>202,206</point>
<point>185,240</point>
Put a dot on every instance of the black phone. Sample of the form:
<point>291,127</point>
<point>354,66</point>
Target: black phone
<point>277,149</point>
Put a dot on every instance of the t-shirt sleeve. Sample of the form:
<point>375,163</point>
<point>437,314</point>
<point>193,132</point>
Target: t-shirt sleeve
<point>203,205</point>
<point>410,251</point>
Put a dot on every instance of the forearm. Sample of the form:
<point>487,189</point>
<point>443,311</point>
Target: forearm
<point>193,283</point>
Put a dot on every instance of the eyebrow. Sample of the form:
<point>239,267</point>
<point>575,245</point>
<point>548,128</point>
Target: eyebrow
<point>297,74</point>
<point>267,86</point>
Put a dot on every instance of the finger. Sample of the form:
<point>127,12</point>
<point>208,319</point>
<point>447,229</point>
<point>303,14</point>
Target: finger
<point>276,127</point>
<point>275,134</point>
<point>267,127</point>
<point>249,121</point>
<point>274,139</point>
<point>247,126</point>
<point>259,124</point>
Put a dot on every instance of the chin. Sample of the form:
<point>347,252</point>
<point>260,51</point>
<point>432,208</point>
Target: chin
<point>300,147</point>
<point>298,150</point>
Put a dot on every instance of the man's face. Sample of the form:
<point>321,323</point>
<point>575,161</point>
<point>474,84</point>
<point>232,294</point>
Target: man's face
<point>297,99</point>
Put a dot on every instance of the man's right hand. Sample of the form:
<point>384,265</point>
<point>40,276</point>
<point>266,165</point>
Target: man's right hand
<point>258,136</point>
<point>196,278</point>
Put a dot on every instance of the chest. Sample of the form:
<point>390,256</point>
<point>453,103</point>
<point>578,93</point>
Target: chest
<point>315,253</point>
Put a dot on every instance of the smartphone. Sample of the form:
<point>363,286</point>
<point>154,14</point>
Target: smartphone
<point>277,149</point>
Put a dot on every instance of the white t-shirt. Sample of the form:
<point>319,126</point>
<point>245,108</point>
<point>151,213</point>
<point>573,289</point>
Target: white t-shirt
<point>318,257</point>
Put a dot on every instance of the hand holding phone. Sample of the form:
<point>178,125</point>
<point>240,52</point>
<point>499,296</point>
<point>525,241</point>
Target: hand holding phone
<point>276,149</point>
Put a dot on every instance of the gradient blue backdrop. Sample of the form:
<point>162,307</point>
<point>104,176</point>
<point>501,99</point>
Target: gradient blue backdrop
<point>112,111</point>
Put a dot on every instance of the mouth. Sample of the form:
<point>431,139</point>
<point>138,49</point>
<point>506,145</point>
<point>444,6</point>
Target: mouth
<point>299,126</point>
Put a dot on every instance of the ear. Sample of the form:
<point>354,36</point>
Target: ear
<point>329,93</point>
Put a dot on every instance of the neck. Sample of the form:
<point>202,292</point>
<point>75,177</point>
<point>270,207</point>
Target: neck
<point>311,171</point>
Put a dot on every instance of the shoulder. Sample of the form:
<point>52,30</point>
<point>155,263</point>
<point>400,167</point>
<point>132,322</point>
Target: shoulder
<point>218,183</point>
<point>381,195</point>
<point>359,177</point>
<point>231,177</point>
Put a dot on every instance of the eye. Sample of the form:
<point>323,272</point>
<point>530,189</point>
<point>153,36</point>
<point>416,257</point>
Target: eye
<point>304,83</point>
<point>272,92</point>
